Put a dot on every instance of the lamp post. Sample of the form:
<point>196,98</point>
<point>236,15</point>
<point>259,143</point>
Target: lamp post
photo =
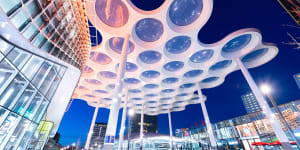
<point>171,130</point>
<point>121,137</point>
<point>130,113</point>
<point>267,91</point>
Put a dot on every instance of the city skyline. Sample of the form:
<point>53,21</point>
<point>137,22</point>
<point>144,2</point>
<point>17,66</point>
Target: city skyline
<point>235,83</point>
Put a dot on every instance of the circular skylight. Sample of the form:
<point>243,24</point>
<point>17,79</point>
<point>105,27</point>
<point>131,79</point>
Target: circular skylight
<point>149,29</point>
<point>202,56</point>
<point>100,58</point>
<point>182,94</point>
<point>185,12</point>
<point>221,65</point>
<point>107,99</point>
<point>132,80</point>
<point>136,99</point>
<point>170,80</point>
<point>173,66</point>
<point>255,55</point>
<point>93,81</point>
<point>111,86</point>
<point>87,69</point>
<point>89,95</point>
<point>237,43</point>
<point>150,74</point>
<point>101,91</point>
<point>116,44</point>
<point>115,14</point>
<point>178,44</point>
<point>165,98</point>
<point>150,57</point>
<point>130,67</point>
<point>134,91</point>
<point>168,90</point>
<point>186,86</point>
<point>193,73</point>
<point>151,86</point>
<point>210,79</point>
<point>151,95</point>
<point>108,74</point>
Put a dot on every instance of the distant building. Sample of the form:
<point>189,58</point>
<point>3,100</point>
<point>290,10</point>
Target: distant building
<point>53,143</point>
<point>150,124</point>
<point>297,79</point>
<point>250,103</point>
<point>98,135</point>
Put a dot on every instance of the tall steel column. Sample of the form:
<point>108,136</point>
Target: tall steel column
<point>114,110</point>
<point>121,135</point>
<point>171,130</point>
<point>142,128</point>
<point>265,107</point>
<point>210,131</point>
<point>88,139</point>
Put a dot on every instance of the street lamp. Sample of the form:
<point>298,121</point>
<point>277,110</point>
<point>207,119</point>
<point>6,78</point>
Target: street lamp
<point>130,113</point>
<point>267,91</point>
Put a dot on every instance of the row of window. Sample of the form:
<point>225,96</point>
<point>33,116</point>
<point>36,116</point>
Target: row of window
<point>27,85</point>
<point>49,25</point>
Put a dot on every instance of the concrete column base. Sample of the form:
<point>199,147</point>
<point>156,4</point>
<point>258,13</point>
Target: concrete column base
<point>108,147</point>
<point>286,146</point>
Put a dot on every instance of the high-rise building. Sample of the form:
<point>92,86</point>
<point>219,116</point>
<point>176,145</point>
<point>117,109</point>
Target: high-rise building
<point>250,103</point>
<point>297,79</point>
<point>98,135</point>
<point>43,46</point>
<point>150,124</point>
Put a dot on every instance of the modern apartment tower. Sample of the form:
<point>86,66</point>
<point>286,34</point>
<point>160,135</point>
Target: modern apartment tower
<point>250,103</point>
<point>43,46</point>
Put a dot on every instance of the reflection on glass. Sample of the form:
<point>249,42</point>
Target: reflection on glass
<point>8,126</point>
<point>4,46</point>
<point>40,112</point>
<point>12,92</point>
<point>53,87</point>
<point>7,72</point>
<point>33,107</point>
<point>27,135</point>
<point>18,57</point>
<point>17,135</point>
<point>10,5</point>
<point>20,19</point>
<point>48,80</point>
<point>3,114</point>
<point>24,100</point>
<point>40,75</point>
<point>31,67</point>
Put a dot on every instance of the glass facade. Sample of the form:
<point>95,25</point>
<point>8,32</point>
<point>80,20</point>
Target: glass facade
<point>250,103</point>
<point>54,26</point>
<point>27,84</point>
<point>241,132</point>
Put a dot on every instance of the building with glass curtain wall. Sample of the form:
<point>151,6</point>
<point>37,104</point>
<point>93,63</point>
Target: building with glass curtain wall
<point>43,46</point>
<point>250,103</point>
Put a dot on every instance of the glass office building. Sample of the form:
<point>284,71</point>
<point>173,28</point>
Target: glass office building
<point>250,103</point>
<point>43,46</point>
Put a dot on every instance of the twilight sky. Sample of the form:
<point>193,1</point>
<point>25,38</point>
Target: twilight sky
<point>224,102</point>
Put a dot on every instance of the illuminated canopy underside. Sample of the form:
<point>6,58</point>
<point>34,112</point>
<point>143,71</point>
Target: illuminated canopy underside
<point>166,62</point>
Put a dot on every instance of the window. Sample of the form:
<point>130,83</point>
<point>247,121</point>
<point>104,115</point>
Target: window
<point>32,66</point>
<point>53,87</point>
<point>33,9</point>
<point>5,47</point>
<point>29,131</point>
<point>8,127</point>
<point>48,80</point>
<point>18,57</point>
<point>10,95</point>
<point>16,137</point>
<point>33,107</point>
<point>42,73</point>
<point>24,100</point>
<point>7,73</point>
<point>9,6</point>
<point>21,19</point>
<point>30,32</point>
<point>41,111</point>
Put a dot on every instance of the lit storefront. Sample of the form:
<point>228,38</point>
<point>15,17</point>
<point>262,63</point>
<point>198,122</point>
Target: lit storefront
<point>243,131</point>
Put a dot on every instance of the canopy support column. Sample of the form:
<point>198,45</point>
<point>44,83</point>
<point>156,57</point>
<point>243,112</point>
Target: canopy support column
<point>265,107</point>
